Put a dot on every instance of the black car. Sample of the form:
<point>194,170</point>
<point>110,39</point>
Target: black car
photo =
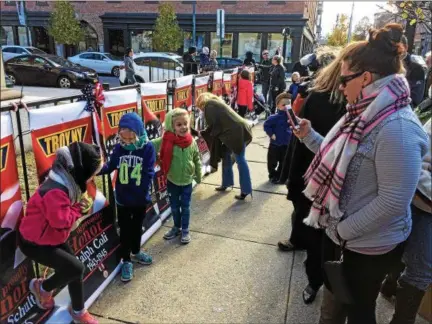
<point>48,70</point>
<point>228,62</point>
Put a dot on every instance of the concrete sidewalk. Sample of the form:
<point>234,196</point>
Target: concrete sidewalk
<point>231,272</point>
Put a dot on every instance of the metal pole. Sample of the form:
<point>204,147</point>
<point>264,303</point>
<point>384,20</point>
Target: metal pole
<point>220,34</point>
<point>350,23</point>
<point>23,158</point>
<point>194,24</point>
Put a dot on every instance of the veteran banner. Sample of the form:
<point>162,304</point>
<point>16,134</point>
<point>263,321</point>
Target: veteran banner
<point>183,93</point>
<point>227,84</point>
<point>94,239</point>
<point>218,83</point>
<point>117,103</point>
<point>17,304</point>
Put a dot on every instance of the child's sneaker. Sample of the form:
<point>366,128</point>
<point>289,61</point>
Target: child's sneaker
<point>44,299</point>
<point>127,271</point>
<point>185,238</point>
<point>83,317</point>
<point>172,233</point>
<point>142,258</point>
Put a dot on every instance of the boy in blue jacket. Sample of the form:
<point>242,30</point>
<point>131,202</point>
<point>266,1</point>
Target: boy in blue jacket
<point>134,157</point>
<point>279,131</point>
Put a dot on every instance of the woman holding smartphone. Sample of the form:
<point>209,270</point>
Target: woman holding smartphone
<point>323,107</point>
<point>364,175</point>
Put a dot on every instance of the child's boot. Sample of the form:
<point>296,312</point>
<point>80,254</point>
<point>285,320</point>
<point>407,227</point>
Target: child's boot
<point>82,317</point>
<point>142,258</point>
<point>172,233</point>
<point>185,238</point>
<point>44,299</point>
<point>127,271</point>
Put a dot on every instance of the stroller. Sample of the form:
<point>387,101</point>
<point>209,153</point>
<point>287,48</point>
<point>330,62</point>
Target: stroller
<point>260,106</point>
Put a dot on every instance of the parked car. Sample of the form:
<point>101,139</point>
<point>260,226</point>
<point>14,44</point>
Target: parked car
<point>100,62</point>
<point>48,70</point>
<point>10,51</point>
<point>228,62</point>
<point>156,66</point>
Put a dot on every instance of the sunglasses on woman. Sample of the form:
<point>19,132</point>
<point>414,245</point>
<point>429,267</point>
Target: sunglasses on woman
<point>344,79</point>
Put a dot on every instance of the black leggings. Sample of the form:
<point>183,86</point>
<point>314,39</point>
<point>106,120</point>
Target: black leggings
<point>68,270</point>
<point>242,110</point>
<point>130,220</point>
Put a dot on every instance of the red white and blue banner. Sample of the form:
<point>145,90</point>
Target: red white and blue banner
<point>17,304</point>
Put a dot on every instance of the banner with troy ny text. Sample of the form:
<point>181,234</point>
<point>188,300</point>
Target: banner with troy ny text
<point>218,83</point>
<point>116,104</point>
<point>153,106</point>
<point>183,93</point>
<point>17,304</point>
<point>201,86</point>
<point>94,239</point>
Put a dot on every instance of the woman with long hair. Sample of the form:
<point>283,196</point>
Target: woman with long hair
<point>227,134</point>
<point>364,176</point>
<point>323,107</point>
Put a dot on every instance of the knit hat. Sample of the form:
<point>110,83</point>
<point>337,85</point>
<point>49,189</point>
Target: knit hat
<point>133,122</point>
<point>192,50</point>
<point>205,50</point>
<point>86,160</point>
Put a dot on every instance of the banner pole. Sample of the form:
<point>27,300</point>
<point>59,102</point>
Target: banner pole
<point>23,159</point>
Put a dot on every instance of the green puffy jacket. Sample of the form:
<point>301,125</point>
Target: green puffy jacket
<point>185,164</point>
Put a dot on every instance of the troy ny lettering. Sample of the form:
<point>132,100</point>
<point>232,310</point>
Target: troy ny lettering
<point>51,143</point>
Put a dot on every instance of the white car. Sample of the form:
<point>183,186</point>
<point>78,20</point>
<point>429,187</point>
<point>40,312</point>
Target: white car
<point>156,66</point>
<point>10,51</point>
<point>100,62</point>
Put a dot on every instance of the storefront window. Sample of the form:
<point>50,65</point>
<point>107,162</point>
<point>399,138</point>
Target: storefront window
<point>41,40</point>
<point>116,42</point>
<point>6,35</point>
<point>90,42</point>
<point>274,41</point>
<point>24,36</point>
<point>141,41</point>
<point>249,42</point>
<point>200,37</point>
<point>226,44</point>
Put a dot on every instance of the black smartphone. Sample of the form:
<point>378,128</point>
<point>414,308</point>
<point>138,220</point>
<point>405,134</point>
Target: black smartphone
<point>292,118</point>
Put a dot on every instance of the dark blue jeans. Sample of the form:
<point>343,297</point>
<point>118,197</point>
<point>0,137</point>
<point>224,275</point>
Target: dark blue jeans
<point>180,199</point>
<point>243,168</point>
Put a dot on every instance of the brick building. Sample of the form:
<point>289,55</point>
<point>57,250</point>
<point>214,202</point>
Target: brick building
<point>112,26</point>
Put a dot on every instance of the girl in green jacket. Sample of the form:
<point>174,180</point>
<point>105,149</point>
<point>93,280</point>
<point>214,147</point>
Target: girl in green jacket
<point>181,163</point>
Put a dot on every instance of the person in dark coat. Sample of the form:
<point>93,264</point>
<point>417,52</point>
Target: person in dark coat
<point>264,67</point>
<point>324,106</point>
<point>415,75</point>
<point>190,66</point>
<point>277,80</point>
<point>302,70</point>
<point>228,129</point>
<point>249,60</point>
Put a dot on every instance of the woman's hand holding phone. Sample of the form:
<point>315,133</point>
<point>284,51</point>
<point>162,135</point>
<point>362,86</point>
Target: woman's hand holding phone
<point>303,129</point>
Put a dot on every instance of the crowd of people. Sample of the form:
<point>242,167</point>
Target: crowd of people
<point>356,161</point>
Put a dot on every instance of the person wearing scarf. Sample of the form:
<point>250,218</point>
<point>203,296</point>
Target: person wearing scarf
<point>50,215</point>
<point>181,163</point>
<point>365,173</point>
<point>134,158</point>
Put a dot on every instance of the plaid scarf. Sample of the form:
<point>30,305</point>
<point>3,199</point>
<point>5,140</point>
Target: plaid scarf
<point>326,174</point>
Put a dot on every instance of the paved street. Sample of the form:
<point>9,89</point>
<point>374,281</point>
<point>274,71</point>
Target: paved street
<point>231,272</point>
